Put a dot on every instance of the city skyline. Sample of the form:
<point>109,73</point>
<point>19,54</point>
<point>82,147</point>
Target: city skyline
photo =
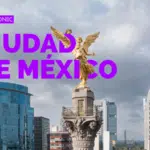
<point>124,38</point>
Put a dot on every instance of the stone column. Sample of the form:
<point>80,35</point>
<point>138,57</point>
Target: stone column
<point>82,144</point>
<point>83,133</point>
<point>84,126</point>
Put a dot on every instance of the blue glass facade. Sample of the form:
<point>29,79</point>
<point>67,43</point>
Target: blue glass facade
<point>16,118</point>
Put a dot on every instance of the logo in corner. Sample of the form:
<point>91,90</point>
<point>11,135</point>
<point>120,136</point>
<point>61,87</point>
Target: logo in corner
<point>6,19</point>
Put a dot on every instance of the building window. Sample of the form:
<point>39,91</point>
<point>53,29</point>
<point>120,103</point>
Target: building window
<point>5,132</point>
<point>5,121</point>
<point>80,107</point>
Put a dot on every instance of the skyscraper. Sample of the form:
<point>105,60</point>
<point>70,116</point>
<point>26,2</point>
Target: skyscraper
<point>107,141</point>
<point>125,137</point>
<point>146,104</point>
<point>16,117</point>
<point>109,114</point>
<point>97,143</point>
<point>41,131</point>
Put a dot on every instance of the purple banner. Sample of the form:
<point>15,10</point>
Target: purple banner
<point>6,19</point>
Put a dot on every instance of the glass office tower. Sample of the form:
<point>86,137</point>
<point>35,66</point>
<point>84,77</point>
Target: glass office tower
<point>16,118</point>
<point>112,120</point>
<point>41,131</point>
<point>109,114</point>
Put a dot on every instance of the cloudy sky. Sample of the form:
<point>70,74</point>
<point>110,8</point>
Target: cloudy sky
<point>125,33</point>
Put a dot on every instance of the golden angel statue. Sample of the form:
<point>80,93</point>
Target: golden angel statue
<point>80,52</point>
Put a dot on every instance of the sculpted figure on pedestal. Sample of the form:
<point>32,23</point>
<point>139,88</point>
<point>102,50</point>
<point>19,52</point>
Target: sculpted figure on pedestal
<point>80,52</point>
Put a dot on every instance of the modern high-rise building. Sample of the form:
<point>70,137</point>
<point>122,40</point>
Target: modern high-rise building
<point>109,115</point>
<point>97,144</point>
<point>107,141</point>
<point>41,131</point>
<point>16,118</point>
<point>146,104</point>
<point>125,137</point>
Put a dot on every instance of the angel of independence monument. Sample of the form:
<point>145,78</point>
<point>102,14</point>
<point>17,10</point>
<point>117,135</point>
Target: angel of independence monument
<point>82,120</point>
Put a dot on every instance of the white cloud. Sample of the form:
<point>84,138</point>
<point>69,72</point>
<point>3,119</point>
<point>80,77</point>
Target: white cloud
<point>120,36</point>
<point>109,3</point>
<point>122,26</point>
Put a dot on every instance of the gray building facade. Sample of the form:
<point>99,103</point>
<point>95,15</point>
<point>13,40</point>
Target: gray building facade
<point>109,114</point>
<point>146,104</point>
<point>41,131</point>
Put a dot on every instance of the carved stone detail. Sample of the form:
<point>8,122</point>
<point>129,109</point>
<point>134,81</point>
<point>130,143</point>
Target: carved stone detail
<point>83,132</point>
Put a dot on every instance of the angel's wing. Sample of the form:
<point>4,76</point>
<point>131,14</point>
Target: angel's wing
<point>89,40</point>
<point>60,36</point>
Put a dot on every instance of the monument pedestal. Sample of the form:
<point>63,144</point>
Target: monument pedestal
<point>82,143</point>
<point>83,120</point>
